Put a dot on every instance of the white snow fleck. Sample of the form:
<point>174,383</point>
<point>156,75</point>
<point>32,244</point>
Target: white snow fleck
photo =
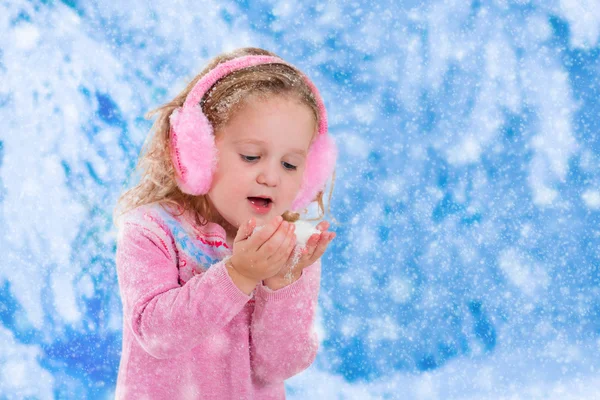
<point>591,199</point>
<point>530,278</point>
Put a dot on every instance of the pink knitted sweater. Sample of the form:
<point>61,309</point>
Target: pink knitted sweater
<point>188,331</point>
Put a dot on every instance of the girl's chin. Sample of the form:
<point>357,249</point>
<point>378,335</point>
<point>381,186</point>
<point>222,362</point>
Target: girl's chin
<point>265,218</point>
<point>261,219</point>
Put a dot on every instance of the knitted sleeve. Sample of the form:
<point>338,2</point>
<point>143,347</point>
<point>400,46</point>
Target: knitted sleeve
<point>283,341</point>
<point>166,318</point>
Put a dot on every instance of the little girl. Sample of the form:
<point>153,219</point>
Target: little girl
<point>217,304</point>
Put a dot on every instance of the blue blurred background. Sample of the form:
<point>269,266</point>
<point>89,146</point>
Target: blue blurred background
<point>467,195</point>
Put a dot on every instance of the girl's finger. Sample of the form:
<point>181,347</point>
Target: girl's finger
<point>282,260</point>
<point>324,242</point>
<point>311,244</point>
<point>273,245</point>
<point>323,226</point>
<point>284,249</point>
<point>245,230</point>
<point>321,246</point>
<point>262,237</point>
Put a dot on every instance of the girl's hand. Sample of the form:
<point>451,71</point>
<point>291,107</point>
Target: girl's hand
<point>263,254</point>
<point>315,248</point>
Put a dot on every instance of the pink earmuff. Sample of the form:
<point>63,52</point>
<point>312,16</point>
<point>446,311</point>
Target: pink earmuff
<point>193,149</point>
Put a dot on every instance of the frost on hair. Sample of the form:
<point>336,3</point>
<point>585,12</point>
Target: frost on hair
<point>230,103</point>
<point>230,93</point>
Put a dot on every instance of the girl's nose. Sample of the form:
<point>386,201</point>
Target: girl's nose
<point>268,176</point>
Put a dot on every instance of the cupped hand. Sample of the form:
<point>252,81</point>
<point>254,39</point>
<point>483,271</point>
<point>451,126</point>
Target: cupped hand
<point>303,257</point>
<point>262,255</point>
<point>315,246</point>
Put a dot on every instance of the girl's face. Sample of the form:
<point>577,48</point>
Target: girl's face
<point>262,153</point>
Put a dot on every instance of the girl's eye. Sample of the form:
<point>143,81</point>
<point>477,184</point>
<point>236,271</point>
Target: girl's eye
<point>287,166</point>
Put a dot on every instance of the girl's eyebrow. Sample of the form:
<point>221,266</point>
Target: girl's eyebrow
<point>261,142</point>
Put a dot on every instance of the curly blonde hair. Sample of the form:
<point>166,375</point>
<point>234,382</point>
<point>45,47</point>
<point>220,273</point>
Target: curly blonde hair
<point>157,173</point>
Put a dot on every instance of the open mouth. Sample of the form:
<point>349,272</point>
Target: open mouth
<point>260,203</point>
